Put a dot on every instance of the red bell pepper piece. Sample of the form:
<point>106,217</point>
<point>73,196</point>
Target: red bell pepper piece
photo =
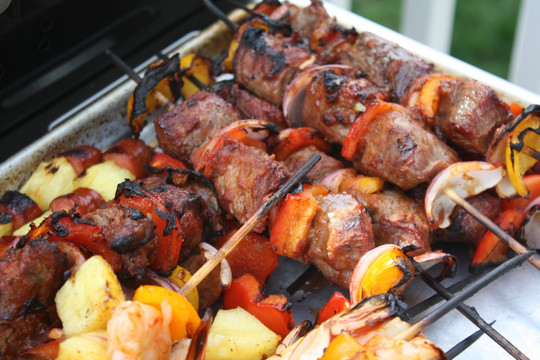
<point>161,160</point>
<point>491,250</point>
<point>47,351</point>
<point>337,303</point>
<point>254,255</point>
<point>168,232</point>
<point>273,311</point>
<point>60,226</point>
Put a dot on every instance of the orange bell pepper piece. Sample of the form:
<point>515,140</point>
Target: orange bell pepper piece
<point>290,229</point>
<point>254,255</point>
<point>337,303</point>
<point>355,141</point>
<point>200,68</point>
<point>273,311</point>
<point>491,250</point>
<point>292,140</point>
<point>184,320</point>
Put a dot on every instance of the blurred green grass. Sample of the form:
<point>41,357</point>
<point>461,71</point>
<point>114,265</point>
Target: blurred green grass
<point>483,29</point>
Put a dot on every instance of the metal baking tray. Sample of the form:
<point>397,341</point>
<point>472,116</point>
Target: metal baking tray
<point>511,300</point>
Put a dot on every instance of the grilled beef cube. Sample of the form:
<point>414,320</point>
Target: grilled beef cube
<point>30,277</point>
<point>333,100</point>
<point>245,178</point>
<point>386,64</point>
<point>398,219</point>
<point>341,232</point>
<point>463,227</point>
<point>190,124</point>
<point>468,115</point>
<point>26,332</point>
<point>397,146</point>
<point>265,63</point>
<point>128,232</point>
<point>248,105</point>
<point>191,211</point>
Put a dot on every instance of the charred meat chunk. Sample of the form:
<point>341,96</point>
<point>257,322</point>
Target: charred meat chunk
<point>30,277</point>
<point>386,64</point>
<point>128,232</point>
<point>190,124</point>
<point>340,234</point>
<point>265,63</point>
<point>468,115</point>
<point>333,100</point>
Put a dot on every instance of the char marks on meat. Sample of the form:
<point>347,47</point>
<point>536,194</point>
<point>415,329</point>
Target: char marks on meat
<point>128,232</point>
<point>468,115</point>
<point>340,234</point>
<point>333,100</point>
<point>398,219</point>
<point>30,277</point>
<point>192,212</point>
<point>265,63</point>
<point>387,64</point>
<point>245,178</point>
<point>400,149</point>
<point>190,124</point>
<point>250,106</point>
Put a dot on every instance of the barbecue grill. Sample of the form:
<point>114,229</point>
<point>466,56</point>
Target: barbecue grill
<point>39,119</point>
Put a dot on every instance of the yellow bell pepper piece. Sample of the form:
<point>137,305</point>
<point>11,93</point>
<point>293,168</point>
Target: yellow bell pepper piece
<point>180,276</point>
<point>185,319</point>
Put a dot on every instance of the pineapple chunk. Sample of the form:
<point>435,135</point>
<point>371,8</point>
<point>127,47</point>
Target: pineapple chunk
<point>86,300</point>
<point>23,230</point>
<point>50,180</point>
<point>236,334</point>
<point>89,346</point>
<point>103,178</point>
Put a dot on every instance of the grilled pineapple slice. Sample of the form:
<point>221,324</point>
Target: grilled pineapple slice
<point>103,178</point>
<point>236,334</point>
<point>85,301</point>
<point>90,346</point>
<point>50,180</point>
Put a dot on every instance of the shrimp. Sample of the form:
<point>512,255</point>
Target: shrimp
<point>139,331</point>
<point>372,323</point>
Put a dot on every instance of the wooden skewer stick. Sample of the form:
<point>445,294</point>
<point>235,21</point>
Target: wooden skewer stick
<point>491,226</point>
<point>162,99</point>
<point>247,227</point>
<point>463,295</point>
<point>527,150</point>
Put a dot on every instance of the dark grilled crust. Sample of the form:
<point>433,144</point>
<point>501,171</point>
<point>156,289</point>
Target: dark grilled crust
<point>387,64</point>
<point>30,277</point>
<point>265,63</point>
<point>190,124</point>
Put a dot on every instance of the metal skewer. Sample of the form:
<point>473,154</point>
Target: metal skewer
<point>219,14</point>
<point>248,226</point>
<point>135,77</point>
<point>491,226</point>
<point>464,344</point>
<point>473,316</point>
<point>466,293</point>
